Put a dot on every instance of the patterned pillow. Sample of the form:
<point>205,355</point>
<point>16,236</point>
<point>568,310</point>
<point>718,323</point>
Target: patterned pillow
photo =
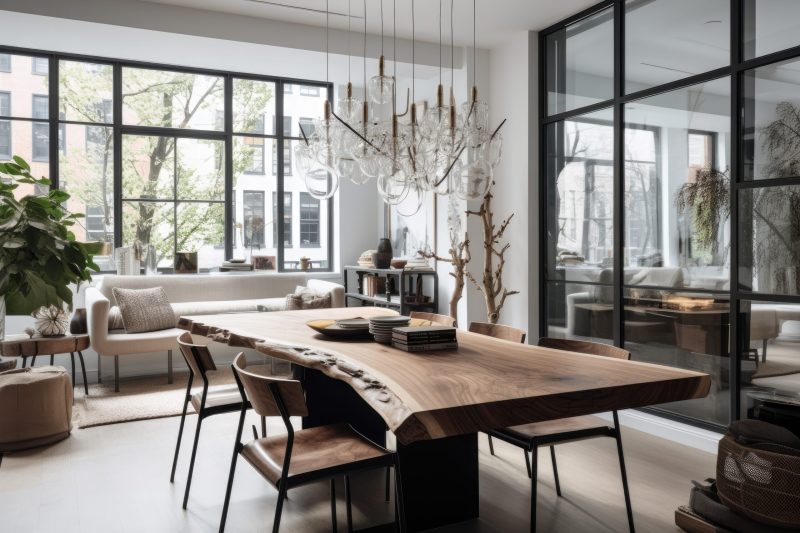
<point>305,298</point>
<point>144,309</point>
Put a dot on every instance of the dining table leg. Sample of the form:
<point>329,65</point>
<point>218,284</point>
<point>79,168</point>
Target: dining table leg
<point>440,476</point>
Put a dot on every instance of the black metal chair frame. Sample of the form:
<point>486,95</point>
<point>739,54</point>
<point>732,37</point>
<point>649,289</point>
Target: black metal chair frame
<point>203,413</point>
<point>532,445</point>
<point>285,483</point>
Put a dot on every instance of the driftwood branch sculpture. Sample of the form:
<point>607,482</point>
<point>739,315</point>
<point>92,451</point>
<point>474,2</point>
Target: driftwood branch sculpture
<point>459,257</point>
<point>491,286</point>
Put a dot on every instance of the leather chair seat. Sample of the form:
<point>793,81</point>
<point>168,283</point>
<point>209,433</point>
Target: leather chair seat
<point>314,450</point>
<point>580,427</point>
<point>219,396</point>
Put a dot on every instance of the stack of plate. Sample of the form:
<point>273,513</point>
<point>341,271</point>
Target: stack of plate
<point>353,324</point>
<point>381,327</point>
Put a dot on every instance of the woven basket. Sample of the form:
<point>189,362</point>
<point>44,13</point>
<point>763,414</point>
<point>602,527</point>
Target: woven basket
<point>762,484</point>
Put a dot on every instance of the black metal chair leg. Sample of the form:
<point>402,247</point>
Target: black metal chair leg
<point>228,492</point>
<point>72,360</point>
<point>628,508</point>
<point>52,359</point>
<point>83,372</point>
<point>191,462</point>
<point>555,469</point>
<point>263,427</point>
<point>116,373</point>
<point>33,361</point>
<point>24,361</point>
<point>333,506</point>
<point>534,469</point>
<point>491,445</point>
<point>349,502</point>
<point>99,372</point>
<point>169,367</point>
<point>388,494</point>
<point>180,431</point>
<point>278,509</point>
<point>528,461</point>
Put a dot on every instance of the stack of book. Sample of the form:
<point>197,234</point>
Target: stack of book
<point>420,339</point>
<point>234,265</point>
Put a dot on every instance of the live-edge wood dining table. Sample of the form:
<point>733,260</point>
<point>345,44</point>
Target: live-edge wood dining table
<point>435,403</point>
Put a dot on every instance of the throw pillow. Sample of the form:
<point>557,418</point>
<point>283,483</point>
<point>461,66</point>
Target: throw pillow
<point>144,310</point>
<point>305,298</point>
<point>115,319</point>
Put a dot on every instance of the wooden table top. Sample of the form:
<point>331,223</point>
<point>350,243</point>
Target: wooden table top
<point>24,346</point>
<point>485,384</point>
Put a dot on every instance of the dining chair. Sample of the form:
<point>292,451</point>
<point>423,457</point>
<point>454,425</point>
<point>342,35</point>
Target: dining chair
<point>498,331</point>
<point>439,320</point>
<point>530,437</point>
<point>303,456</point>
<point>208,402</point>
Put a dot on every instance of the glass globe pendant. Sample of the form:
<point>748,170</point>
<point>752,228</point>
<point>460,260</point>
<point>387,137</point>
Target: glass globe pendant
<point>381,95</point>
<point>474,178</point>
<point>322,180</point>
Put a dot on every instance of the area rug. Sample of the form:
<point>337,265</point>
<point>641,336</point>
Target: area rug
<point>138,398</point>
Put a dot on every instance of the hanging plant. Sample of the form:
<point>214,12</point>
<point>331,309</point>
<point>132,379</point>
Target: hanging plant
<point>708,199</point>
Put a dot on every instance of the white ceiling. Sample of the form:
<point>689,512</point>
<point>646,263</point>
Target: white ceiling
<point>496,18</point>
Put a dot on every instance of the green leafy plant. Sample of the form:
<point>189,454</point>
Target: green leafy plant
<point>39,255</point>
<point>708,199</point>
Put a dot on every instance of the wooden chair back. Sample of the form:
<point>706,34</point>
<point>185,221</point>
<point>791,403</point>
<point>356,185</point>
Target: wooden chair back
<point>257,389</point>
<point>197,356</point>
<point>587,347</point>
<point>498,331</point>
<point>439,320</point>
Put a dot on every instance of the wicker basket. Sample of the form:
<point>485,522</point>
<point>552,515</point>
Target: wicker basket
<point>759,481</point>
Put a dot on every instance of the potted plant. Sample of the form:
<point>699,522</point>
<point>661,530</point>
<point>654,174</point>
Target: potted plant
<point>39,254</point>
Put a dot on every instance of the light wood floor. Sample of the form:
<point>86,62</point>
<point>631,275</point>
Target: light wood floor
<point>116,479</point>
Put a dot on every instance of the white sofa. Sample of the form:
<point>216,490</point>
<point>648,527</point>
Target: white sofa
<point>190,294</point>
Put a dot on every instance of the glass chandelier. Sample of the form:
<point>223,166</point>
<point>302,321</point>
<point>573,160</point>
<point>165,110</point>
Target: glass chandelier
<point>448,150</point>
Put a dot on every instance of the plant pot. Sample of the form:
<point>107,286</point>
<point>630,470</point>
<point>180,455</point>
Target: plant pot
<point>78,325</point>
<point>305,263</point>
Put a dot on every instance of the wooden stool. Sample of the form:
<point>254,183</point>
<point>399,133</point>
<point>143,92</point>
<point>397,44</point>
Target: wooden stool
<point>24,347</point>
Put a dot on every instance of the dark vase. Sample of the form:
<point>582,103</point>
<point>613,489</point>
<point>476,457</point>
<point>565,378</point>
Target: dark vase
<point>383,257</point>
<point>77,325</point>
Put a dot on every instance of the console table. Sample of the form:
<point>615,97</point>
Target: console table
<point>24,347</point>
<point>404,289</point>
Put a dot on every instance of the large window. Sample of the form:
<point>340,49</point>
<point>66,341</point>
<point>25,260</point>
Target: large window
<point>152,153</point>
<point>287,218</point>
<point>671,193</point>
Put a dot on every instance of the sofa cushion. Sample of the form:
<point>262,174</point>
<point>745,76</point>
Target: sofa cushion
<point>232,306</point>
<point>144,310</point>
<point>307,298</point>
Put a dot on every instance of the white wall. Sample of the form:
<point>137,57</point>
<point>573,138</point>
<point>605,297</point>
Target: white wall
<point>509,84</point>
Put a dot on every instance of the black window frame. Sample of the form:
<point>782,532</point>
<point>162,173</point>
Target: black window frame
<point>286,222</point>
<point>228,135</point>
<point>735,70</point>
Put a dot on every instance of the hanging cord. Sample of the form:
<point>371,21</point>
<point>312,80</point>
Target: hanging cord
<point>413,55</point>
<point>452,53</point>
<point>394,56</point>
<point>381,27</point>
<point>364,62</point>
<point>349,51</point>
<point>440,42</point>
<point>327,41</point>
<point>474,38</point>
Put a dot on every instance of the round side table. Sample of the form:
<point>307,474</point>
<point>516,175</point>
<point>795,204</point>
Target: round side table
<point>25,347</point>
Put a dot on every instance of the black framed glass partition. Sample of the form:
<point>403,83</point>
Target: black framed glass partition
<point>167,156</point>
<point>671,193</point>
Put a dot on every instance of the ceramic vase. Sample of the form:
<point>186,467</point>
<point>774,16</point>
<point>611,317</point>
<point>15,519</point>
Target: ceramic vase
<point>77,325</point>
<point>382,258</point>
